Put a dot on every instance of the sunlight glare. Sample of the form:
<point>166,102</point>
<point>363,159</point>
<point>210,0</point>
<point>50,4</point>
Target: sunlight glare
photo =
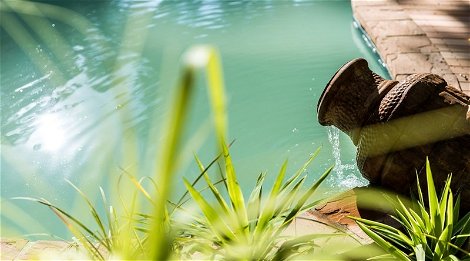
<point>50,132</point>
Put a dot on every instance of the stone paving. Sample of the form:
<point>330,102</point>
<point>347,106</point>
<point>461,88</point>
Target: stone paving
<point>420,36</point>
<point>22,249</point>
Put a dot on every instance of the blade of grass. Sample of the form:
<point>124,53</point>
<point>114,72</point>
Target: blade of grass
<point>203,171</point>
<point>254,201</point>
<point>219,227</point>
<point>64,217</point>
<point>384,244</point>
<point>167,163</point>
<point>212,187</point>
<point>269,208</point>
<point>95,215</point>
<point>444,203</point>
<point>217,100</point>
<point>297,174</point>
<point>109,217</point>
<point>434,212</point>
<point>462,227</point>
<point>306,196</point>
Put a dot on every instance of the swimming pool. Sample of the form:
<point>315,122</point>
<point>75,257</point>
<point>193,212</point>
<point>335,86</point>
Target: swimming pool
<point>77,91</point>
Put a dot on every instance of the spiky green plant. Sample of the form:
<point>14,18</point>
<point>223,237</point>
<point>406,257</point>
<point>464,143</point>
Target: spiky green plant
<point>235,227</point>
<point>128,232</point>
<point>433,233</point>
<point>253,231</point>
<point>227,229</point>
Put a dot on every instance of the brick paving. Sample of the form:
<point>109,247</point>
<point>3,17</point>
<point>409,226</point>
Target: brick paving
<point>420,36</point>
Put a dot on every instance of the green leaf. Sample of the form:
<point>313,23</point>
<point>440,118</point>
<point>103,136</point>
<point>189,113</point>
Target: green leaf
<point>462,227</point>
<point>434,212</point>
<point>66,218</point>
<point>420,253</point>
<point>278,182</point>
<point>301,170</point>
<point>219,227</point>
<point>223,205</point>
<point>203,171</point>
<point>301,202</point>
<point>254,202</point>
<point>426,218</point>
<point>443,204</point>
<point>167,163</point>
<point>391,249</point>
<point>442,245</point>
<point>450,214</point>
<point>217,100</point>
<point>268,210</point>
<point>457,209</point>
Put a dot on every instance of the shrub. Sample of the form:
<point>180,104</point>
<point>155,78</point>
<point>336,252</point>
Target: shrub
<point>432,233</point>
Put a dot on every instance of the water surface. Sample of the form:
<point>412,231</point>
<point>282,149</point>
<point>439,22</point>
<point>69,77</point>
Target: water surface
<point>78,96</point>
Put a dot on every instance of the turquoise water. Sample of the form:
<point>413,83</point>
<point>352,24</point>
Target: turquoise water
<point>75,92</point>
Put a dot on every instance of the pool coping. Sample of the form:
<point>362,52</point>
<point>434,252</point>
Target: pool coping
<point>409,39</point>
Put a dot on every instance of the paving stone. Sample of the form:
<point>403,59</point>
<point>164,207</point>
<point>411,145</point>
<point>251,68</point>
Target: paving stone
<point>10,248</point>
<point>463,77</point>
<point>431,2</point>
<point>409,63</point>
<point>438,60</point>
<point>465,87</point>
<point>456,55</point>
<point>455,12</point>
<point>439,19</point>
<point>337,211</point>
<point>372,3</point>
<point>440,23</point>
<point>445,29</point>
<point>460,69</point>
<point>39,249</point>
<point>395,28</point>
<point>451,80</point>
<point>374,14</point>
<point>446,47</point>
<point>458,62</point>
<point>441,69</point>
<point>430,32</point>
<point>405,44</point>
<point>433,38</point>
<point>400,77</point>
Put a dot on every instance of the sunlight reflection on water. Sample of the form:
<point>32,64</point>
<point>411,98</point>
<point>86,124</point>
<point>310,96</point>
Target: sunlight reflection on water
<point>277,57</point>
<point>50,133</point>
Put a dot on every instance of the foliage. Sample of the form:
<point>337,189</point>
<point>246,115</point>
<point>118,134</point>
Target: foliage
<point>432,233</point>
<point>252,231</point>
<point>227,229</point>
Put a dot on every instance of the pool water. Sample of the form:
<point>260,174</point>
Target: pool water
<point>80,95</point>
